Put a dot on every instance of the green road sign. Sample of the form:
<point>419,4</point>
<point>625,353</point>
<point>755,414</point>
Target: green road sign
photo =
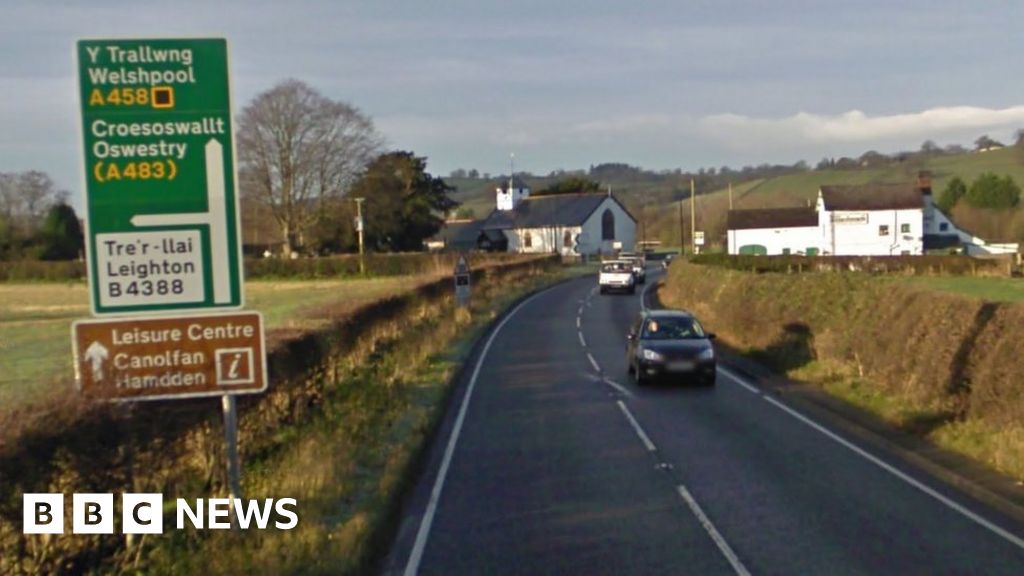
<point>161,219</point>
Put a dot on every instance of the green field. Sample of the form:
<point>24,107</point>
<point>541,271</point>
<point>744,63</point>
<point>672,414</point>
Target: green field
<point>35,324</point>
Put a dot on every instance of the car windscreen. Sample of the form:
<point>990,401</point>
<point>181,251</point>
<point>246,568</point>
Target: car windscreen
<point>672,329</point>
<point>614,268</point>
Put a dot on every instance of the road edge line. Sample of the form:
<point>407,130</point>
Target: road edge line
<point>910,480</point>
<point>412,566</point>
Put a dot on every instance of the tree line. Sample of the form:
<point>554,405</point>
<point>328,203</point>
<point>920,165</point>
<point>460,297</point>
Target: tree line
<point>36,221</point>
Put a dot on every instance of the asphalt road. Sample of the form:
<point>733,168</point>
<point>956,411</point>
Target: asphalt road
<point>552,461</point>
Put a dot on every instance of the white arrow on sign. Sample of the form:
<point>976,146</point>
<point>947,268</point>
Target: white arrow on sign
<point>95,354</point>
<point>215,218</point>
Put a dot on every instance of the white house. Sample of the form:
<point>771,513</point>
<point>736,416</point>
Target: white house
<point>871,220</point>
<point>866,220</point>
<point>568,224</point>
<point>774,231</point>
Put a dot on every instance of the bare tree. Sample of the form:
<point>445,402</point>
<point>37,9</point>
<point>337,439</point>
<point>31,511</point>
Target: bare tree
<point>298,150</point>
<point>25,198</point>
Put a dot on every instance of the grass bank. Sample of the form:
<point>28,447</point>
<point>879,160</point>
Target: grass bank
<point>938,364</point>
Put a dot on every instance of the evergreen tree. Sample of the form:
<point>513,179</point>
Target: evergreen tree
<point>61,234</point>
<point>404,203</point>
<point>991,191</point>
<point>955,190</point>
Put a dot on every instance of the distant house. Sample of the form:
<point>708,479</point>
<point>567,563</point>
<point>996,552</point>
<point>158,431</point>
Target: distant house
<point>586,223</point>
<point>865,220</point>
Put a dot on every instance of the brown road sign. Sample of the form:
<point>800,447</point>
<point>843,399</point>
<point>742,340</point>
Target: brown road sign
<point>170,357</point>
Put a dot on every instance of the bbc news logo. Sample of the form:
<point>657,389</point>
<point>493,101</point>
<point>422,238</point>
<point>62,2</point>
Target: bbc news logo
<point>143,513</point>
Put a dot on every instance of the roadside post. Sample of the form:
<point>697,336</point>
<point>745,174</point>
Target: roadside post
<point>163,241</point>
<point>462,282</point>
<point>698,241</point>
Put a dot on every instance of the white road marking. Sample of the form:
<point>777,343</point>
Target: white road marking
<point>413,566</point>
<point>622,389</point>
<point>739,380</point>
<point>726,550</point>
<point>580,311</point>
<point>582,341</point>
<point>902,476</point>
<point>636,426</point>
<point>577,321</point>
<point>593,362</point>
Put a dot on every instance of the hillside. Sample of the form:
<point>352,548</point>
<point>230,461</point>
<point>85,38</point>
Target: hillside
<point>654,198</point>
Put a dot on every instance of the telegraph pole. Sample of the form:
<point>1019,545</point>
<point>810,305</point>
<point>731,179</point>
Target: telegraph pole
<point>682,239</point>
<point>693,220</point>
<point>730,195</point>
<point>359,229</point>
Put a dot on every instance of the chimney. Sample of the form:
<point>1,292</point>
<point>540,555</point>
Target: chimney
<point>924,182</point>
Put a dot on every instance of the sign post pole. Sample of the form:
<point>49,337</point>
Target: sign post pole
<point>234,464</point>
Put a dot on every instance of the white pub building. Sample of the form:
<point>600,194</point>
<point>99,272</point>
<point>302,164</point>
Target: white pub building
<point>866,220</point>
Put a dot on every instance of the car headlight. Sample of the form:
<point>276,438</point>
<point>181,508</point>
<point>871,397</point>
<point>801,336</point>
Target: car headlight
<point>652,355</point>
<point>706,354</point>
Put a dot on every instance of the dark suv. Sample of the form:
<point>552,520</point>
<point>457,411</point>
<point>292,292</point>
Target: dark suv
<point>670,344</point>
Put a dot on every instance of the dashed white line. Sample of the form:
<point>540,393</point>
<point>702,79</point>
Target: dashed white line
<point>593,362</point>
<point>577,321</point>
<point>897,473</point>
<point>622,389</point>
<point>739,380</point>
<point>416,555</point>
<point>582,341</point>
<point>636,426</point>
<point>723,546</point>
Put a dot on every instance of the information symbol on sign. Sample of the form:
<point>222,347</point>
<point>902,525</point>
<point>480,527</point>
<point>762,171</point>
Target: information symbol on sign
<point>163,97</point>
<point>235,366</point>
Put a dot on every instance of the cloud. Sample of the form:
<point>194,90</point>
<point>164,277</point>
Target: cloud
<point>857,127</point>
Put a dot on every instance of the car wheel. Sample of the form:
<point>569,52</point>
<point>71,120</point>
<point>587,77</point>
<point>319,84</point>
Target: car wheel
<point>632,289</point>
<point>638,377</point>
<point>708,381</point>
<point>603,290</point>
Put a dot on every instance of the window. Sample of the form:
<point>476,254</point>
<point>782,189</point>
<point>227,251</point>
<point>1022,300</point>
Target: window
<point>904,228</point>
<point>608,225</point>
<point>528,240</point>
<point>943,227</point>
<point>567,239</point>
<point>785,252</point>
<point>883,230</point>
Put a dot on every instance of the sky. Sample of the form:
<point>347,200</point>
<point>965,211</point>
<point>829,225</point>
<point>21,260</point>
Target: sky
<point>563,84</point>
